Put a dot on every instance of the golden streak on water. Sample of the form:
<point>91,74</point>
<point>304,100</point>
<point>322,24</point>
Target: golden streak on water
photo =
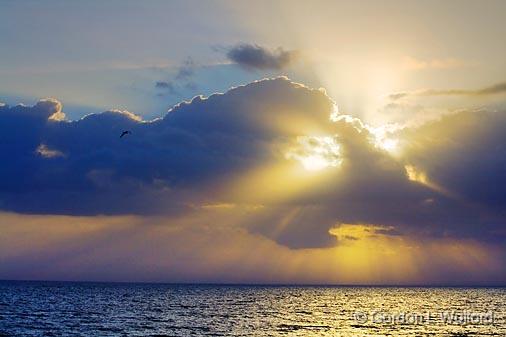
<point>90,309</point>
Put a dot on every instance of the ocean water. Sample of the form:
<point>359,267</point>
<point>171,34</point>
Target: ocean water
<point>107,309</point>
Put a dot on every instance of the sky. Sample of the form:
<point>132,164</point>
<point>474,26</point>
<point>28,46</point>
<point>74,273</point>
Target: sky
<point>328,142</point>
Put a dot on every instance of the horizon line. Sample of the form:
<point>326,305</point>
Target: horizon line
<point>266,284</point>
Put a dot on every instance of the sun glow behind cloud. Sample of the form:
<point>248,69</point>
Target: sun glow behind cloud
<point>383,139</point>
<point>295,184</point>
<point>315,153</point>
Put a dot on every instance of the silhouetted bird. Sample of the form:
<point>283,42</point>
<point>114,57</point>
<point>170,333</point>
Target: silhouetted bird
<point>125,133</point>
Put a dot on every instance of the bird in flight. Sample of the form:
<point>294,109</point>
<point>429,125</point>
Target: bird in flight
<point>126,132</point>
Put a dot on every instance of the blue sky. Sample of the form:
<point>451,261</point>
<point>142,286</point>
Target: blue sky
<point>108,55</point>
<point>95,56</point>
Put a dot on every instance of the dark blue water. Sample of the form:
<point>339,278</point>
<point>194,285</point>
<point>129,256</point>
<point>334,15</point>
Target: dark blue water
<point>107,309</point>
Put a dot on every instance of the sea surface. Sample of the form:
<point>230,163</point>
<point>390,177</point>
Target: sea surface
<point>122,309</point>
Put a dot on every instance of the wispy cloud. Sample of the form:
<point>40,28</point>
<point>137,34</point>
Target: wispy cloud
<point>443,63</point>
<point>46,152</point>
<point>183,79</point>
<point>166,86</point>
<point>186,70</point>
<point>499,88</point>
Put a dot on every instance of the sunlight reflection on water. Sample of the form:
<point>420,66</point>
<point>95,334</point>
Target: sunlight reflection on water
<point>95,309</point>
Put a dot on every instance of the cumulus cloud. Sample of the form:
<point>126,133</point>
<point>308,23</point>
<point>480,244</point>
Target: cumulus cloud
<point>252,56</point>
<point>247,149</point>
<point>463,151</point>
<point>194,144</point>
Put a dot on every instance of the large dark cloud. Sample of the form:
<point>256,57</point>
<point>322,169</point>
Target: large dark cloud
<point>152,170</point>
<point>372,187</point>
<point>183,161</point>
<point>465,152</point>
<point>252,56</point>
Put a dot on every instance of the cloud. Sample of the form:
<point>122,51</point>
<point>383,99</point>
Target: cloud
<point>344,232</point>
<point>186,70</point>
<point>191,249</point>
<point>499,88</point>
<point>247,149</point>
<point>166,86</point>
<point>252,56</point>
<point>444,63</point>
<point>159,168</point>
<point>463,151</point>
<point>46,152</point>
<point>163,84</point>
<point>181,80</point>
